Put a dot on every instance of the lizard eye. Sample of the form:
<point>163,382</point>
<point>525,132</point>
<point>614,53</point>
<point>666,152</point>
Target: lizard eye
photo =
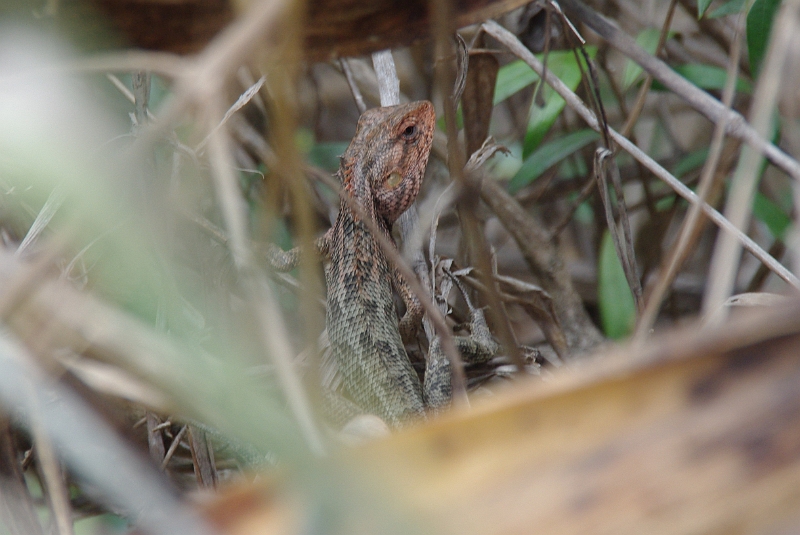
<point>410,132</point>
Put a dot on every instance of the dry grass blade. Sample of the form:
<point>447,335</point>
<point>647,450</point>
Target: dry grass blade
<point>509,40</point>
<point>55,488</point>
<point>16,504</point>
<point>47,212</point>
<point>604,165</point>
<point>240,103</point>
<point>351,81</point>
<point>477,100</point>
<point>694,432</point>
<point>91,448</point>
<point>173,447</point>
<point>692,221</point>
<point>724,262</point>
<point>203,457</point>
<point>274,332</point>
<point>451,78</point>
<point>638,106</point>
<point>697,98</point>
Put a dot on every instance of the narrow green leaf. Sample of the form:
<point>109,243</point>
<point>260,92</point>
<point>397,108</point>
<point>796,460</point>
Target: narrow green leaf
<point>441,124</point>
<point>759,27</point>
<point>702,5</point>
<point>512,78</point>
<point>769,213</point>
<point>690,162</point>
<point>647,39</point>
<point>707,77</point>
<point>728,8</point>
<point>549,154</point>
<point>615,299</point>
<point>326,155</point>
<point>563,65</point>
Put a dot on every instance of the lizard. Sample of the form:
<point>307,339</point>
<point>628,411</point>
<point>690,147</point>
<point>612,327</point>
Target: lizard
<point>382,169</point>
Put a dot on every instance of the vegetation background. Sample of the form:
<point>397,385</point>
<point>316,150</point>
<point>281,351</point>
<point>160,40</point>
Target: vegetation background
<point>587,156</point>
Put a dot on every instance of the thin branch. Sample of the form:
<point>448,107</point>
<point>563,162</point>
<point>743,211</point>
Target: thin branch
<point>57,494</point>
<point>638,106</point>
<point>240,103</point>
<point>170,66</point>
<point>692,222</point>
<point>204,78</point>
<point>725,261</point>
<point>700,100</point>
<point>516,47</point>
<point>351,81</point>
<point>273,330</point>
<point>388,83</point>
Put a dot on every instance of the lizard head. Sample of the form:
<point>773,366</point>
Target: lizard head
<point>393,144</point>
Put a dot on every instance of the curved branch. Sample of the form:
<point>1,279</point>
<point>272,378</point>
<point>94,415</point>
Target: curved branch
<point>518,49</point>
<point>711,108</point>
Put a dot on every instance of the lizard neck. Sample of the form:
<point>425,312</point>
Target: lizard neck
<point>356,180</point>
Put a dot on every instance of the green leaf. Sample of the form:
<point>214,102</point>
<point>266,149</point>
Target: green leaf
<point>512,78</point>
<point>549,154</point>
<point>690,162</point>
<point>728,8</point>
<point>615,299</point>
<point>707,77</point>
<point>441,124</point>
<point>563,65</point>
<point>759,27</point>
<point>647,39</point>
<point>766,211</point>
<point>702,5</point>
<point>326,155</point>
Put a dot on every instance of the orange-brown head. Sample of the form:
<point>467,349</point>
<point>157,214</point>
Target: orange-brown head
<point>385,162</point>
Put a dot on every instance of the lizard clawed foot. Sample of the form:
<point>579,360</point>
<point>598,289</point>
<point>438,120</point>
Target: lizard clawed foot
<point>480,346</point>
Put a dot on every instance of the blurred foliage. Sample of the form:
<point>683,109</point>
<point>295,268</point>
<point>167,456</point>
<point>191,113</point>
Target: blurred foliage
<point>648,40</point>
<point>707,77</point>
<point>759,29</point>
<point>547,105</point>
<point>730,7</point>
<point>614,297</point>
<point>131,215</point>
<point>548,155</point>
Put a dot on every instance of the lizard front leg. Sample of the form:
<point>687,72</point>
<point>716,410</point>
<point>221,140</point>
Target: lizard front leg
<point>410,321</point>
<point>476,348</point>
<point>281,260</point>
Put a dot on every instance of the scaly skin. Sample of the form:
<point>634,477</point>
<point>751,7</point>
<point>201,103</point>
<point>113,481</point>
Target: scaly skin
<point>382,169</point>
